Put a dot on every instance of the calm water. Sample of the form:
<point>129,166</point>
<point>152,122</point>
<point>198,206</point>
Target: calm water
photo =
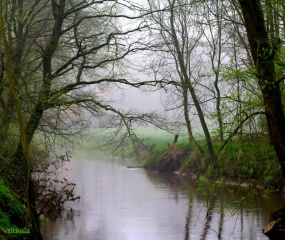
<point>118,203</point>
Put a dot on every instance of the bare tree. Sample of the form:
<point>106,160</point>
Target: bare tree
<point>176,28</point>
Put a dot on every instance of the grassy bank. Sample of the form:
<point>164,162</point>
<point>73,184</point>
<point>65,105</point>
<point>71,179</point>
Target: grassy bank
<point>240,161</point>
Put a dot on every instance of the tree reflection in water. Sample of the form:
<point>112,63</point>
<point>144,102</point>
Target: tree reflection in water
<point>118,203</point>
<point>227,212</point>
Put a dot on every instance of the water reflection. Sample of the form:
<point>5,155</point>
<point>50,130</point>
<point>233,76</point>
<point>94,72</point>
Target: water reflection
<point>118,203</point>
<point>228,212</point>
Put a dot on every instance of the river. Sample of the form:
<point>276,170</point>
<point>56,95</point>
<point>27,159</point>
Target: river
<point>120,203</point>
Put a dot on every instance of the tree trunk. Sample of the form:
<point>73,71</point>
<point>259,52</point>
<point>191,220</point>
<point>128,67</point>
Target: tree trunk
<point>35,233</point>
<point>275,230</point>
<point>188,83</point>
<point>186,113</point>
<point>263,53</point>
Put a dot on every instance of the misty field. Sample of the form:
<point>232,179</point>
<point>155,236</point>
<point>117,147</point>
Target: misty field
<point>150,136</point>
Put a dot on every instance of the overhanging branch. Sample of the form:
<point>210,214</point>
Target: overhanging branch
<point>238,127</point>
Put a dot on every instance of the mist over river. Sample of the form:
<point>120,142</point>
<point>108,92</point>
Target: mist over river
<point>120,203</point>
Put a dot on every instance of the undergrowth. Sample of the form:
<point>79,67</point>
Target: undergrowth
<point>239,161</point>
<point>252,162</point>
<point>12,212</point>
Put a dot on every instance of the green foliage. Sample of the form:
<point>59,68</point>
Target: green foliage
<point>187,147</point>
<point>240,161</point>
<point>12,212</point>
<point>155,158</point>
<point>250,161</point>
<point>202,180</point>
<point>193,161</point>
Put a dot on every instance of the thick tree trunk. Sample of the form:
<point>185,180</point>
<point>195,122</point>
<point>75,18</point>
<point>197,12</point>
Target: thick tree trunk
<point>22,171</point>
<point>263,51</point>
<point>35,233</point>
<point>7,113</point>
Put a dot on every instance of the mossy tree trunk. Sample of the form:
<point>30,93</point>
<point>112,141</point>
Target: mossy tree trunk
<point>20,160</point>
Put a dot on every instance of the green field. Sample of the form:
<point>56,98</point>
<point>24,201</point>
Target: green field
<point>157,137</point>
<point>100,138</point>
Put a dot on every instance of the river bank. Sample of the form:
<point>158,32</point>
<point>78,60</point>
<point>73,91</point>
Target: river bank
<point>187,161</point>
<point>242,164</point>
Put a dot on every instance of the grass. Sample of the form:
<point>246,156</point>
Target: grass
<point>240,161</point>
<point>149,135</point>
<point>249,160</point>
<point>254,162</point>
<point>157,137</point>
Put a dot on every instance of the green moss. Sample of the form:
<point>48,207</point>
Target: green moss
<point>12,212</point>
<point>4,220</point>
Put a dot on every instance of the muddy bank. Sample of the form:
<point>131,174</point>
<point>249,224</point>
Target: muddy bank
<point>166,161</point>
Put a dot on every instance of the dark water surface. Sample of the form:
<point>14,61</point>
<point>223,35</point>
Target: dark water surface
<point>119,203</point>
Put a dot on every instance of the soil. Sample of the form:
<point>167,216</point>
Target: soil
<point>167,161</point>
